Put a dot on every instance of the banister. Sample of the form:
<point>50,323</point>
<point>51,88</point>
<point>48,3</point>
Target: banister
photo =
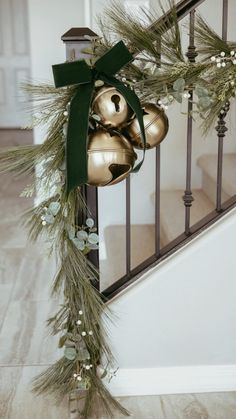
<point>183,8</point>
<point>162,251</point>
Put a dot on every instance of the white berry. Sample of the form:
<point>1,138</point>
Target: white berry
<point>223,64</point>
<point>234,62</point>
<point>232,53</point>
<point>219,65</point>
<point>213,58</point>
<point>87,367</point>
<point>65,113</point>
<point>79,378</point>
<point>90,332</point>
<point>79,322</point>
<point>80,312</point>
<point>83,333</point>
<point>222,54</point>
<point>44,223</point>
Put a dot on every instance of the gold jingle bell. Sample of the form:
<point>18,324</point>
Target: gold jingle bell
<point>112,107</point>
<point>110,158</point>
<point>156,126</point>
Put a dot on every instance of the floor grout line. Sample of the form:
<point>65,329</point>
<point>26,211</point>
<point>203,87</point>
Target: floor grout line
<point>24,365</point>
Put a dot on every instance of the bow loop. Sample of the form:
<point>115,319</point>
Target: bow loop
<point>74,72</point>
<point>116,58</point>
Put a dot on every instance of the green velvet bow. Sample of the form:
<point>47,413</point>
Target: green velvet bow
<point>79,73</point>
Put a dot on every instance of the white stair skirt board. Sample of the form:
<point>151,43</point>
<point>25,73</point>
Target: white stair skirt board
<point>173,380</point>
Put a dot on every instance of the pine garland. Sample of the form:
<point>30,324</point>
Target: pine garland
<point>160,73</point>
<point>79,322</point>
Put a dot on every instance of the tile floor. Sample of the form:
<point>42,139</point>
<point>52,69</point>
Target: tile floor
<point>26,347</point>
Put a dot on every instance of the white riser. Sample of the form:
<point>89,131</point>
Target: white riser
<point>173,380</point>
<point>209,188</point>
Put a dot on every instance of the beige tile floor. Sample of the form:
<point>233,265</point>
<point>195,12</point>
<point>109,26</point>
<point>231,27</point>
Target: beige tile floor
<point>26,347</point>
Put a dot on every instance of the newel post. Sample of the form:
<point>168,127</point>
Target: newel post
<point>76,39</point>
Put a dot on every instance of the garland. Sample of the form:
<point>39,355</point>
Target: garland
<point>161,75</point>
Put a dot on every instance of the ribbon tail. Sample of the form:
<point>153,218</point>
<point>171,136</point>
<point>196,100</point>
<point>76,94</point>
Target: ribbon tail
<point>77,133</point>
<point>133,101</point>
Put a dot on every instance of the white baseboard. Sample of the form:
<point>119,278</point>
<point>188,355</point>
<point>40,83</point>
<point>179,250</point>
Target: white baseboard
<point>173,380</point>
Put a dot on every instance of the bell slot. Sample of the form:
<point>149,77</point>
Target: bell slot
<point>116,100</point>
<point>118,170</point>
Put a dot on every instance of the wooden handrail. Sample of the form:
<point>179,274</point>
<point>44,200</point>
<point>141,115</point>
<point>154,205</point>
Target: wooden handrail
<point>183,8</point>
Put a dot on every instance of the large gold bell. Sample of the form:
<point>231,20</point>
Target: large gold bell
<point>156,126</point>
<point>110,158</point>
<point>112,107</point>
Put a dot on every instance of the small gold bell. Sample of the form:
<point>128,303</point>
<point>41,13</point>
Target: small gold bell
<point>112,107</point>
<point>156,126</point>
<point>110,158</point>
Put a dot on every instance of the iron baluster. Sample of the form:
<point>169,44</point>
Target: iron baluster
<point>188,198</point>
<point>128,227</point>
<point>157,202</point>
<point>221,125</point>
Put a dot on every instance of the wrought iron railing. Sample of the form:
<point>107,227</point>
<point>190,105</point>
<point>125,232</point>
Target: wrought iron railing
<point>184,8</point>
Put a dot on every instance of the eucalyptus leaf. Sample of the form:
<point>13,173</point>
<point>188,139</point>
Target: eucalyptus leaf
<point>204,102</point>
<point>70,353</point>
<point>201,91</point>
<point>63,166</point>
<point>71,232</point>
<point>79,243</point>
<point>93,238</point>
<point>165,101</point>
<point>82,235</point>
<point>54,208</point>
<point>49,218</point>
<point>178,97</point>
<point>83,354</point>
<point>179,85</point>
<point>96,117</point>
<point>82,385</point>
<point>99,83</point>
<point>90,222</point>
<point>65,127</point>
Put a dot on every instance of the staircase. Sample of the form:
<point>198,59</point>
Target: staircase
<point>171,216</point>
<point>130,248</point>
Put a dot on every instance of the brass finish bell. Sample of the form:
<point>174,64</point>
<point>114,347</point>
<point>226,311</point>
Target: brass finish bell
<point>112,107</point>
<point>110,158</point>
<point>156,126</point>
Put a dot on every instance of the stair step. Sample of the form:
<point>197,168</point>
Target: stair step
<point>173,212</point>
<point>142,247</point>
<point>208,164</point>
<point>143,235</point>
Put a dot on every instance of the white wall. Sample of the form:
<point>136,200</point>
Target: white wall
<point>183,312</point>
<point>48,21</point>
